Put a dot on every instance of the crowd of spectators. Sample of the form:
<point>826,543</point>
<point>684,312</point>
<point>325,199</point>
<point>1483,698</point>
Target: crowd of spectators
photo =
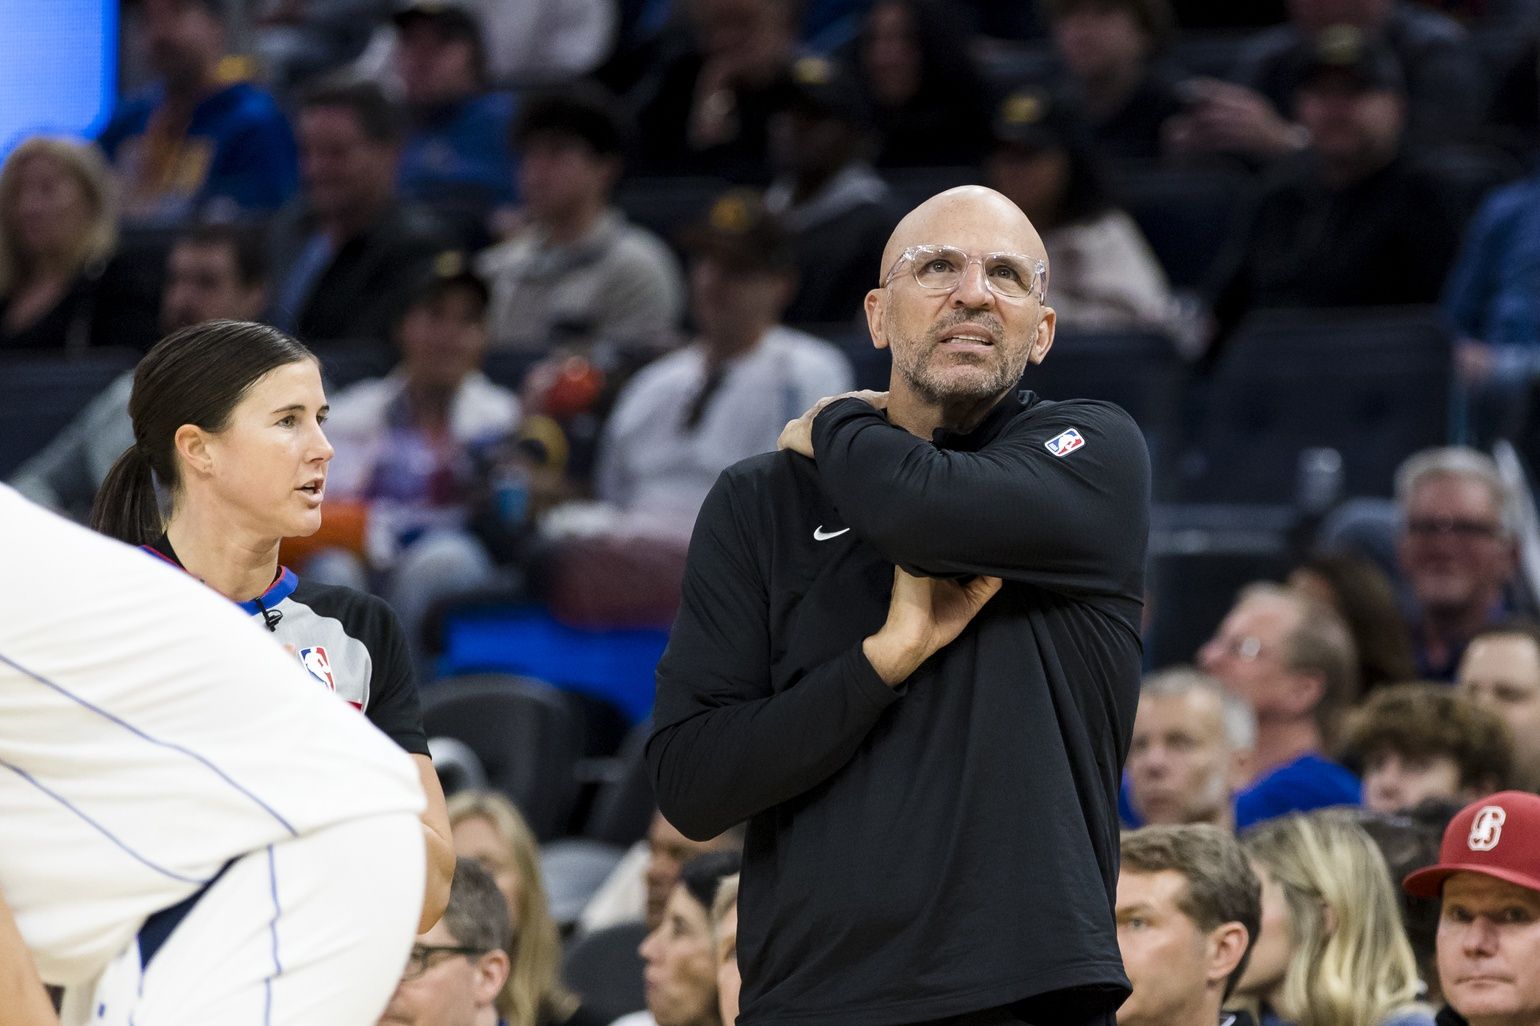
<point>584,254</point>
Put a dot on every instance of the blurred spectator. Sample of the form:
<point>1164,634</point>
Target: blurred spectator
<point>640,884</point>
<point>1104,273</point>
<point>199,142</point>
<point>1332,949</point>
<point>1456,551</point>
<point>60,286</point>
<point>406,449</point>
<point>681,952</point>
<point>1413,742</point>
<point>724,925</point>
<point>1111,49</point>
<point>1188,909</point>
<point>1493,299</point>
<point>489,830</point>
<point>1253,116</point>
<point>1355,221</point>
<point>543,41</point>
<point>1501,672</point>
<point>1487,880</point>
<point>1363,596</point>
<point>1191,750</point>
<point>1292,660</point>
<point>456,157</point>
<point>705,109</point>
<point>214,272</point>
<point>684,418</point>
<point>825,193</point>
<point>347,256</point>
<point>579,273</point>
<point>298,39</point>
<point>457,969</point>
<point>927,100</point>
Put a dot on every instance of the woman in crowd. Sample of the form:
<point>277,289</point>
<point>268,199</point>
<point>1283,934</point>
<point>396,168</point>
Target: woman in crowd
<point>1358,590</point>
<point>1104,275</point>
<point>928,103</point>
<point>489,828</point>
<point>681,953</point>
<point>1332,950</point>
<point>59,288</point>
<point>227,422</point>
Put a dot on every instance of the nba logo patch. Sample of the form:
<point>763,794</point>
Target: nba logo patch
<point>319,665</point>
<point>1064,444</point>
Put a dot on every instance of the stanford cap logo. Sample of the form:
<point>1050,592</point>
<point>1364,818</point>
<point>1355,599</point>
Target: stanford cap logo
<point>1487,828</point>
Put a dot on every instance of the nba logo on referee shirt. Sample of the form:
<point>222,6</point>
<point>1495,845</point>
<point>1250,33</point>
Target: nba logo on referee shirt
<point>319,664</point>
<point>1064,444</point>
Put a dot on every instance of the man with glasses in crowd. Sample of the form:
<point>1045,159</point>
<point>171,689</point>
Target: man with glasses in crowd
<point>457,969</point>
<point>1292,659</point>
<point>1456,551</point>
<point>908,653</point>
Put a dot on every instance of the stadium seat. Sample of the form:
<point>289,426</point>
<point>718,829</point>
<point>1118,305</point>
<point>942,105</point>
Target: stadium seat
<point>1186,213</point>
<point>39,395</point>
<point>524,734</point>
<point>573,869</point>
<point>1372,384</point>
<point>605,969</point>
<point>623,800</point>
<point>457,765</point>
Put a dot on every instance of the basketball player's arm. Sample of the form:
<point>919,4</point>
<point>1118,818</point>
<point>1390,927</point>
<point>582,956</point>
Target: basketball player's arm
<point>726,746</point>
<point>23,1001</point>
<point>1074,523</point>
<point>440,844</point>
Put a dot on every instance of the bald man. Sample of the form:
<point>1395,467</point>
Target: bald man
<point>908,654</point>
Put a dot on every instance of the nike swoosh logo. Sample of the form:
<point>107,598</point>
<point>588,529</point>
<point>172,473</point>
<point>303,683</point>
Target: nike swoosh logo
<point>819,534</point>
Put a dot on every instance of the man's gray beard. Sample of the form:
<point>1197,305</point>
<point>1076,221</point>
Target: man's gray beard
<point>918,371</point>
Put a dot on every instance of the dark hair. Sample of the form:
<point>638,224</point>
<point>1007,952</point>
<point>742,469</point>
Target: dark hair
<point>1367,602</point>
<point>245,244</point>
<point>1422,719</point>
<point>1154,17</point>
<point>701,876</point>
<point>582,110</point>
<point>477,913</point>
<point>194,376</point>
<point>1221,887</point>
<point>377,115</point>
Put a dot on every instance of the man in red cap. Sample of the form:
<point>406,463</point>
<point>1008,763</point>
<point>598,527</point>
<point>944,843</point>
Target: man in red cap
<point>1488,877</point>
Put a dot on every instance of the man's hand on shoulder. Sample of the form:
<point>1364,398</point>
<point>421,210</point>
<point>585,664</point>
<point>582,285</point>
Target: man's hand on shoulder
<point>925,615</point>
<point>797,435</point>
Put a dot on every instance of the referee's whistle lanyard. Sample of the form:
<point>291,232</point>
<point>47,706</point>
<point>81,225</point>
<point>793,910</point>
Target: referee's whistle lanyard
<point>282,586</point>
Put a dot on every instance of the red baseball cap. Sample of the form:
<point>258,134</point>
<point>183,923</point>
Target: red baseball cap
<point>1498,836</point>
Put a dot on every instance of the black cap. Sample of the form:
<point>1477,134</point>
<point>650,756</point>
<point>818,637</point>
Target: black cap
<point>450,270</point>
<point>824,89</point>
<point>740,232</point>
<point>451,17</point>
<point>1347,51</point>
<point>1037,119</point>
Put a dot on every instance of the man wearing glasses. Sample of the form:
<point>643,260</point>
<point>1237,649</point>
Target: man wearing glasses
<point>457,969</point>
<point>1456,551</point>
<point>908,653</point>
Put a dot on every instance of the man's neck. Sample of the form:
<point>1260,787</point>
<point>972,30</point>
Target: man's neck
<point>355,219</point>
<point>1448,628</point>
<point>430,403</point>
<point>721,349</point>
<point>923,419</point>
<point>574,225</point>
<point>235,562</point>
<point>1281,742</point>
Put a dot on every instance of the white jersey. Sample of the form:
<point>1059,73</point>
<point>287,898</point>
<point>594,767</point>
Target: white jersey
<point>132,765</point>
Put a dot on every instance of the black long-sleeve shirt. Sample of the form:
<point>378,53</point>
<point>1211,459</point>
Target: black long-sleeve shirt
<point>951,844</point>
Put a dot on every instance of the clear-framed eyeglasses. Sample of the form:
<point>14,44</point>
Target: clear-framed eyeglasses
<point>941,268</point>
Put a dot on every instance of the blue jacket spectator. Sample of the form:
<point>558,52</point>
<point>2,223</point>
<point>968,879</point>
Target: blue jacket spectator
<point>1493,293</point>
<point>197,142</point>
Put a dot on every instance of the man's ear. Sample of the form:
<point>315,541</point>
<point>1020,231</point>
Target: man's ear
<point>492,971</point>
<point>1044,339</point>
<point>876,317</point>
<point>1227,943</point>
<point>1308,692</point>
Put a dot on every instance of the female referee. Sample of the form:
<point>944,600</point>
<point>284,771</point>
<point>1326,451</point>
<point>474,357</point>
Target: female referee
<point>227,418</point>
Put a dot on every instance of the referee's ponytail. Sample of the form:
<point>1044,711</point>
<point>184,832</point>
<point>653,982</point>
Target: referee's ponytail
<point>194,376</point>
